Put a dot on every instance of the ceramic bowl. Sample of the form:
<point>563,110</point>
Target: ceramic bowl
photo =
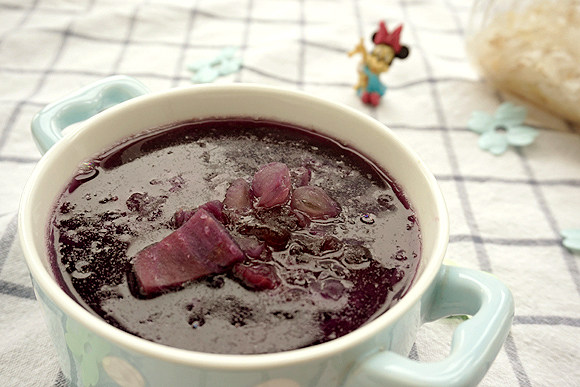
<point>92,352</point>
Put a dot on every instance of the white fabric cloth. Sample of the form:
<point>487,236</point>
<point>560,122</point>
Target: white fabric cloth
<point>506,211</point>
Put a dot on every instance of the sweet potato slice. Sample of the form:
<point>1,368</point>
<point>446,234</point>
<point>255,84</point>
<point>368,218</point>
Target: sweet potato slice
<point>200,247</point>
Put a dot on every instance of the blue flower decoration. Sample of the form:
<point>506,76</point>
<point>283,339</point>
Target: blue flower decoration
<point>571,239</point>
<point>502,129</point>
<point>208,70</point>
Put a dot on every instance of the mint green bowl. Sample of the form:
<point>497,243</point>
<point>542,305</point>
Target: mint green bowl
<point>93,353</point>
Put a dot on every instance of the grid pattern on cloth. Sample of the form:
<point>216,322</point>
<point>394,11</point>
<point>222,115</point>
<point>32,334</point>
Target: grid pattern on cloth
<point>506,211</point>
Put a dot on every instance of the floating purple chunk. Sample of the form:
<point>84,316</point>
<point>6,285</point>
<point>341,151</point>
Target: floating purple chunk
<point>303,220</point>
<point>271,185</point>
<point>275,237</point>
<point>214,207</point>
<point>181,216</point>
<point>257,276</point>
<point>251,246</point>
<point>301,176</point>
<point>238,197</point>
<point>330,244</point>
<point>200,247</point>
<point>314,202</point>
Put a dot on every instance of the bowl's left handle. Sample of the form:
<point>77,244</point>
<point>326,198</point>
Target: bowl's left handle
<point>48,124</point>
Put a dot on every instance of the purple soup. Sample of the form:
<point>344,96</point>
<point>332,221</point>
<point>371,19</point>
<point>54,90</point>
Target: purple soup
<point>235,236</point>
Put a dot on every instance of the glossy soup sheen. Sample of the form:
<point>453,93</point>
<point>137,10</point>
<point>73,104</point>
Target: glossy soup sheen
<point>124,200</point>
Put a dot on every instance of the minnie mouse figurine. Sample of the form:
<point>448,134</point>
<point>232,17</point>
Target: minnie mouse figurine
<point>386,49</point>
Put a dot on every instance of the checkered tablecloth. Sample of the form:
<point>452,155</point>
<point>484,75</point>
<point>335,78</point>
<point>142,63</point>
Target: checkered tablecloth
<point>506,211</point>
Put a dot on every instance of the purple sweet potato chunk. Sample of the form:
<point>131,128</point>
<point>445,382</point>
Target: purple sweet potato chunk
<point>200,247</point>
<point>271,184</point>
<point>303,220</point>
<point>330,244</point>
<point>251,246</point>
<point>314,202</point>
<point>301,176</point>
<point>317,245</point>
<point>215,207</point>
<point>275,237</point>
<point>257,276</point>
<point>238,196</point>
<point>181,216</point>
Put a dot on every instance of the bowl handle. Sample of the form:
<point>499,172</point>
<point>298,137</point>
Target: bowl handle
<point>49,123</point>
<point>475,344</point>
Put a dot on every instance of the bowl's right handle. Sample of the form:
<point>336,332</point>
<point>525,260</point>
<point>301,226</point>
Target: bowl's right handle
<point>48,124</point>
<point>475,344</point>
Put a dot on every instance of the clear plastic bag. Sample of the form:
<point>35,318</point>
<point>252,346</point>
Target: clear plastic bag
<point>530,48</point>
